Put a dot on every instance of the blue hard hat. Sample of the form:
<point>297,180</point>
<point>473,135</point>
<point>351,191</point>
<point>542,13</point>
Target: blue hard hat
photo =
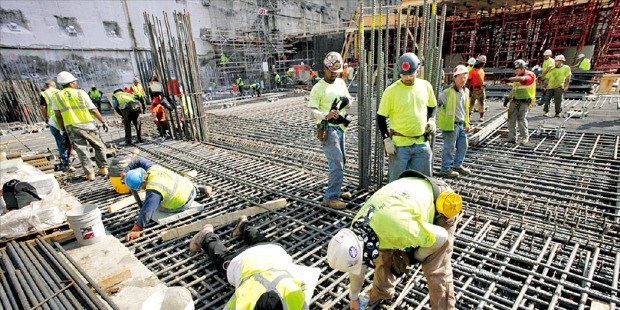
<point>134,177</point>
<point>408,63</point>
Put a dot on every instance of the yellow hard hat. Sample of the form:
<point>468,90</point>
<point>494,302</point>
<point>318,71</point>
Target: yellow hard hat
<point>449,204</point>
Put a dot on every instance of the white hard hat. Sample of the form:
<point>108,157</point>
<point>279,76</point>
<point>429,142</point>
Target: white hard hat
<point>471,61</point>
<point>560,57</point>
<point>65,77</point>
<point>547,52</point>
<point>482,58</point>
<point>346,64</point>
<point>460,69</point>
<point>344,252</point>
<point>136,79</point>
<point>581,55</point>
<point>170,298</point>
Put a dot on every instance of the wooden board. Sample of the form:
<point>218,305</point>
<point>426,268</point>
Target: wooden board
<point>125,202</point>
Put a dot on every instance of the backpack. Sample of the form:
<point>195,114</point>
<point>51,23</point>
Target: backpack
<point>17,194</point>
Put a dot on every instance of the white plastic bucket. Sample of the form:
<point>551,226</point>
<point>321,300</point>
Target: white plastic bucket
<point>85,220</point>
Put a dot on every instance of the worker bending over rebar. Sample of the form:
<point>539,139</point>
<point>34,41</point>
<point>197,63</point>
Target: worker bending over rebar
<point>411,220</point>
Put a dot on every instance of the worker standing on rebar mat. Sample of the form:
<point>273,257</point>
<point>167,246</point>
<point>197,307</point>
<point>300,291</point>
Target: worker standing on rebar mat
<point>239,82</point>
<point>548,64</point>
<point>95,96</point>
<point>165,190</point>
<point>409,103</point>
<point>408,221</point>
<point>477,87</point>
<point>129,108</point>
<point>523,98</point>
<point>50,118</point>
<point>264,275</point>
<point>558,79</point>
<point>138,91</point>
<point>453,120</point>
<point>278,81</point>
<point>76,116</point>
<point>329,101</point>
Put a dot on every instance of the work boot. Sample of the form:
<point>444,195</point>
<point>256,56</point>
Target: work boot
<point>345,195</point>
<point>103,171</point>
<point>448,173</point>
<point>204,191</point>
<point>510,140</point>
<point>546,114</point>
<point>336,204</point>
<point>89,177</point>
<point>462,170</point>
<point>557,115</point>
<point>199,237</point>
<point>376,300</point>
<point>524,141</point>
<point>240,222</point>
<point>481,119</point>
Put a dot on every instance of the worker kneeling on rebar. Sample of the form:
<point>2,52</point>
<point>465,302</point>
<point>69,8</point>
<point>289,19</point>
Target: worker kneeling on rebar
<point>410,220</point>
<point>264,275</point>
<point>166,191</point>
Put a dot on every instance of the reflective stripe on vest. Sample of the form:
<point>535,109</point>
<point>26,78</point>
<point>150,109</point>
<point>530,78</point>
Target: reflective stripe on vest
<point>138,90</point>
<point>123,99</point>
<point>94,94</point>
<point>73,106</point>
<point>174,189</point>
<point>267,285</point>
<point>524,91</point>
<point>47,95</point>
<point>446,114</point>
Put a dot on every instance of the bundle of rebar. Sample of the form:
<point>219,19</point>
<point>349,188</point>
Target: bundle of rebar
<point>19,102</point>
<point>174,61</point>
<point>35,276</point>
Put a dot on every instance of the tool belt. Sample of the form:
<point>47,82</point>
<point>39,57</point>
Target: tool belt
<point>398,134</point>
<point>477,87</point>
<point>523,100</point>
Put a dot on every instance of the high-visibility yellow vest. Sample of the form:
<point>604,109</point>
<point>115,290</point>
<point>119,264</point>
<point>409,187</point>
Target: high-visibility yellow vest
<point>446,114</point>
<point>524,91</point>
<point>254,283</point>
<point>73,106</point>
<point>123,99</point>
<point>47,95</point>
<point>94,94</point>
<point>239,82</point>
<point>173,188</point>
<point>584,64</point>
<point>138,90</point>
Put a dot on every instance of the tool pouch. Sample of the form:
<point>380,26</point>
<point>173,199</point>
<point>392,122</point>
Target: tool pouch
<point>321,131</point>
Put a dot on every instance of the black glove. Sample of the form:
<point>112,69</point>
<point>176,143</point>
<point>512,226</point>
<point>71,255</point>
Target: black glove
<point>335,104</point>
<point>400,262</point>
<point>506,101</point>
<point>104,125</point>
<point>345,101</point>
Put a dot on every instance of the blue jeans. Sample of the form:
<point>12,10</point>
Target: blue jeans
<point>333,148</point>
<point>416,157</point>
<point>64,153</point>
<point>454,148</point>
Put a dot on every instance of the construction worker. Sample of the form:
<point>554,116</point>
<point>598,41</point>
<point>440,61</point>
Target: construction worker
<point>138,91</point>
<point>278,81</point>
<point>223,59</point>
<point>128,107</point>
<point>409,103</point>
<point>408,221</point>
<point>583,63</point>
<point>476,84</point>
<point>523,98</point>
<point>264,275</point>
<point>61,138</point>
<point>558,79</point>
<point>95,96</point>
<point>159,114</point>
<point>453,120</point>
<point>76,115</point>
<point>239,82</point>
<point>166,191</point>
<point>470,63</point>
<point>329,101</point>
<point>255,87</point>
<point>547,65</point>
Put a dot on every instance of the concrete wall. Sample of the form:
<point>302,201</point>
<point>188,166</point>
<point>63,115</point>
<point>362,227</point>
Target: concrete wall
<point>93,39</point>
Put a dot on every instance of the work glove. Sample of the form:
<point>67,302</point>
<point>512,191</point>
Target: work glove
<point>400,262</point>
<point>104,125</point>
<point>345,101</point>
<point>431,127</point>
<point>390,149</point>
<point>135,232</point>
<point>506,101</point>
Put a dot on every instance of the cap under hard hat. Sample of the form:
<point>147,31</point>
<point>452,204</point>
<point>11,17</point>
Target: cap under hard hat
<point>460,69</point>
<point>547,53</point>
<point>333,62</point>
<point>134,177</point>
<point>449,204</point>
<point>560,57</point>
<point>345,251</point>
<point>581,56</point>
<point>65,77</point>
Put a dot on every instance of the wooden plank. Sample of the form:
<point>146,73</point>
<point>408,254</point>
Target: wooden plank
<point>114,278</point>
<point>224,219</point>
<point>125,202</point>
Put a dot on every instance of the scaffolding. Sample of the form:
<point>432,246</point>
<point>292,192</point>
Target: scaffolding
<point>607,54</point>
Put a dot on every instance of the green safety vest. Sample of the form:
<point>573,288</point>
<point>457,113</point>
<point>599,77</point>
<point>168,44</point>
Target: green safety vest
<point>445,115</point>
<point>94,94</point>
<point>173,188</point>
<point>73,106</point>
<point>524,91</point>
<point>278,78</point>
<point>256,282</point>
<point>404,211</point>
<point>123,99</point>
<point>138,90</point>
<point>239,82</point>
<point>584,64</point>
<point>47,95</point>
